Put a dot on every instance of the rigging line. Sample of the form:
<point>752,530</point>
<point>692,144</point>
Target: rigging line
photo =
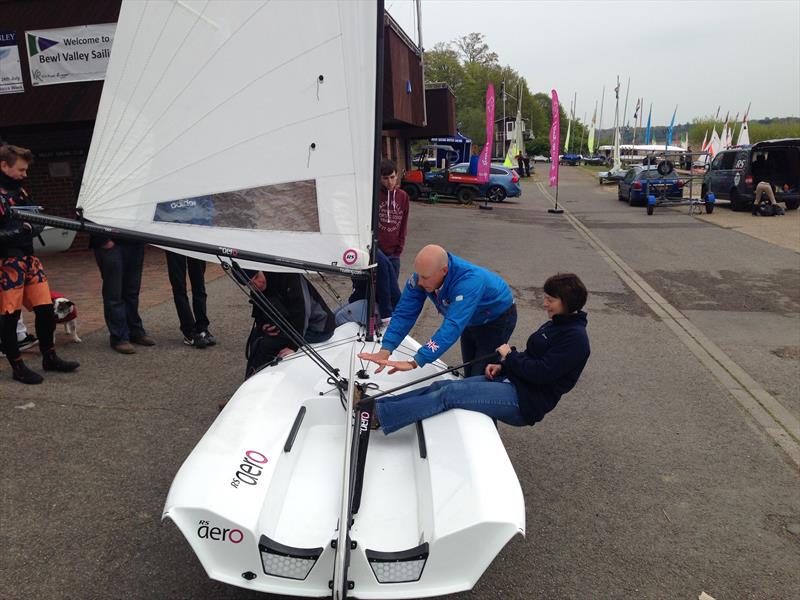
<point>258,299</point>
<point>107,164</point>
<point>199,69</point>
<point>96,156</point>
<point>111,199</point>
<point>220,105</point>
<point>431,376</point>
<point>331,289</point>
<point>261,301</point>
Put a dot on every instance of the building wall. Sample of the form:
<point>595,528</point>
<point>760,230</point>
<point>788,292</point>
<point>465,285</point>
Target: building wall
<point>54,121</point>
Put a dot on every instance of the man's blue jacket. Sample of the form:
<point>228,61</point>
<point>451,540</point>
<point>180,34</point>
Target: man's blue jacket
<point>470,295</point>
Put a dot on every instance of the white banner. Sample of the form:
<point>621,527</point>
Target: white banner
<point>10,71</point>
<point>69,54</point>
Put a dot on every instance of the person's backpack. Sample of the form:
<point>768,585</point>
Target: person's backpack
<point>765,209</point>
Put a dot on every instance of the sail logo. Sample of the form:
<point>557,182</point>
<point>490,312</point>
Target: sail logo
<point>187,203</point>
<point>250,469</point>
<point>38,44</point>
<point>350,257</point>
<point>207,532</point>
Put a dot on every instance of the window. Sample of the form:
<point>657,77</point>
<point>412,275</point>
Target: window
<point>629,176</point>
<point>716,164</point>
<point>728,159</point>
<point>496,171</point>
<point>459,169</point>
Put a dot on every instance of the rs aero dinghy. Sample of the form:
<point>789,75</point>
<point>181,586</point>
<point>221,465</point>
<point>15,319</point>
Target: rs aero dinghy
<point>248,133</point>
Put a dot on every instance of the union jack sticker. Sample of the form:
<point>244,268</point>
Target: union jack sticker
<point>432,346</point>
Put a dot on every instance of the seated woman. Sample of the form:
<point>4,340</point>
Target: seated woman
<point>298,301</point>
<point>525,385</point>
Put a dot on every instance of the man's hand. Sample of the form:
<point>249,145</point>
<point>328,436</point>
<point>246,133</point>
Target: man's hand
<point>108,245</point>
<point>395,365</point>
<point>379,357</point>
<point>270,330</point>
<point>492,371</point>
<point>284,352</point>
<point>504,350</point>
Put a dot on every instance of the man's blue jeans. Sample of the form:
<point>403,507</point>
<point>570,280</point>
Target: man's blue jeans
<point>497,399</point>
<point>121,270</point>
<point>481,340</point>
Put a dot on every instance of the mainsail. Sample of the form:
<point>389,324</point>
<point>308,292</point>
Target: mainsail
<point>204,133</point>
<point>744,132</point>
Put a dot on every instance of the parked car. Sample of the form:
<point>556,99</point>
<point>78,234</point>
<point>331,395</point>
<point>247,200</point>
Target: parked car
<point>456,183</point>
<point>643,181</point>
<point>541,158</point>
<point>503,182</point>
<point>735,173</point>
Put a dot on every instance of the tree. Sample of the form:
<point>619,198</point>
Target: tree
<point>474,50</point>
<point>442,65</point>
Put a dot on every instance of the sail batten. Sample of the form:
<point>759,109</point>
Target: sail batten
<point>216,100</point>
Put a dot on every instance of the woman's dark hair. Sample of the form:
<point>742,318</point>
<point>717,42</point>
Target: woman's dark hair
<point>568,288</point>
<point>387,167</point>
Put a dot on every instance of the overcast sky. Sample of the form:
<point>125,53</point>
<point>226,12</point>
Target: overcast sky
<point>698,55</point>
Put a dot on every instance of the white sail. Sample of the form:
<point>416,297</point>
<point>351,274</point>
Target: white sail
<point>744,134</point>
<point>518,125</point>
<point>217,126</point>
<point>715,144</point>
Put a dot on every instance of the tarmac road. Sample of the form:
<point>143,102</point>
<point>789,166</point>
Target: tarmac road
<point>649,480</point>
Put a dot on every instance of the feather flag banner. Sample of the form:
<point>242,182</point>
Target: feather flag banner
<point>555,128</point>
<point>485,161</point>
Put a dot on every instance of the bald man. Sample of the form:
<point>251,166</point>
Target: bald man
<point>476,304</point>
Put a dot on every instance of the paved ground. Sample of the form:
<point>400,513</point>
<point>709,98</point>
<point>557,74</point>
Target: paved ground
<point>649,480</point>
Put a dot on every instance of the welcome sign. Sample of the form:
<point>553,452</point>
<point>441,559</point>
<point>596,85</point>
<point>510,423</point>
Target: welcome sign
<point>10,71</point>
<point>69,54</point>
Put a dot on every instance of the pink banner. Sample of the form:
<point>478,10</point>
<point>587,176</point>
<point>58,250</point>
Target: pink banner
<point>555,141</point>
<point>485,162</point>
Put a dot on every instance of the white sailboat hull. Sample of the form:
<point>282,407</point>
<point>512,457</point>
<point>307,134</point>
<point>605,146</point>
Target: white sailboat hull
<point>456,492</point>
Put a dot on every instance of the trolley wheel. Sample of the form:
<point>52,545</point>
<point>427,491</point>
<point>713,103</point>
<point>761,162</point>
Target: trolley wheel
<point>709,207</point>
<point>465,195</point>
<point>650,209</point>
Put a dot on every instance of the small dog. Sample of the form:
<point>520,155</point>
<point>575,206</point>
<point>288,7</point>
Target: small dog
<point>66,313</point>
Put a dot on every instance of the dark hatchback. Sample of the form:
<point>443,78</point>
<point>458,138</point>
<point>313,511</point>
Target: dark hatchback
<point>735,173</point>
<point>640,182</point>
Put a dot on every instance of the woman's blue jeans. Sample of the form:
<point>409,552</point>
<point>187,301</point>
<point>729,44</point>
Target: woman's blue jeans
<point>497,399</point>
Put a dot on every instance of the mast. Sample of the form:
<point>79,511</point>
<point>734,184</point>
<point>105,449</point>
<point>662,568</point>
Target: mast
<point>602,102</point>
<point>625,112</point>
<point>355,457</point>
<point>376,186</point>
<point>617,161</point>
